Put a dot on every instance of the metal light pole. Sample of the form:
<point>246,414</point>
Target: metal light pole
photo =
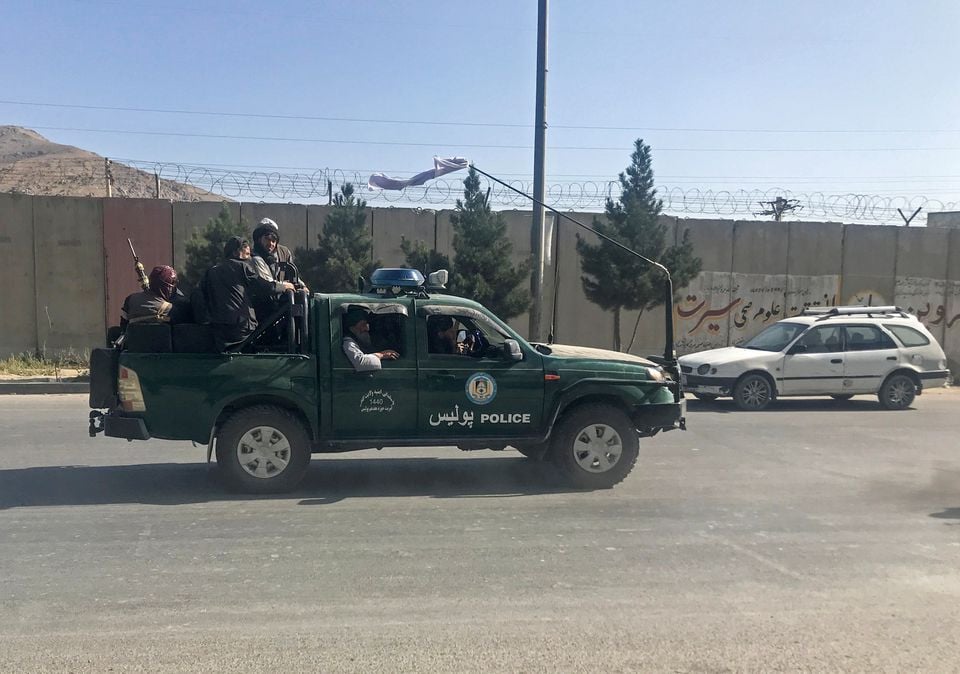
<point>539,179</point>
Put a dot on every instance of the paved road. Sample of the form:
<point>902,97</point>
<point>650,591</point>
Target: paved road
<point>818,536</point>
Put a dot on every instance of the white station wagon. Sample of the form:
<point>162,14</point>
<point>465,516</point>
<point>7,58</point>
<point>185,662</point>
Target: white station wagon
<point>835,351</point>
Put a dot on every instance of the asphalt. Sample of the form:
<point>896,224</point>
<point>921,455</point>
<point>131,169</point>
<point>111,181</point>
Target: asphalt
<point>816,536</point>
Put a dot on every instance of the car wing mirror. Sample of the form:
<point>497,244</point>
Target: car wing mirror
<point>511,350</point>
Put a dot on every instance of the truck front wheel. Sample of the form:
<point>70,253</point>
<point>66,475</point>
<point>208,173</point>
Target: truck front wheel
<point>263,450</point>
<point>595,447</point>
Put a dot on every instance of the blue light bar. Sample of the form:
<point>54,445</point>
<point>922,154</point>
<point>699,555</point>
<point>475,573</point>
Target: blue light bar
<point>396,277</point>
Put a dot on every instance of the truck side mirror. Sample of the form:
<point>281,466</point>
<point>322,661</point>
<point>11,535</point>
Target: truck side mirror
<point>511,350</point>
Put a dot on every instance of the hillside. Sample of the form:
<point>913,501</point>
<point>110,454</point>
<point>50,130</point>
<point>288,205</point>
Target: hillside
<point>31,164</point>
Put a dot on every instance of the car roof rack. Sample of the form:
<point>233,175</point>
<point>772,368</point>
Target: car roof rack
<point>832,312</point>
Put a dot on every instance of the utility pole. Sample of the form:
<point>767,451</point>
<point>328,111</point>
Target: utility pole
<point>108,174</point>
<point>156,182</point>
<point>779,206</point>
<point>539,178</point>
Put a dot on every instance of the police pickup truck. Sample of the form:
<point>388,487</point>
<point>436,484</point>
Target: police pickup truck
<point>263,409</point>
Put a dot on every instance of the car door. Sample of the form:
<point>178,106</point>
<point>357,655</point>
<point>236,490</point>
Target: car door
<point>870,354</point>
<point>483,395</point>
<point>382,403</point>
<point>814,364</point>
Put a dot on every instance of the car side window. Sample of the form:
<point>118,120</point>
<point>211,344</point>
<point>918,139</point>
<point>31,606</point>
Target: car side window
<point>907,335</point>
<point>822,339</point>
<point>867,338</point>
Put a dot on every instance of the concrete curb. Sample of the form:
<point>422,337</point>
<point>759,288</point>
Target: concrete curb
<point>47,387</point>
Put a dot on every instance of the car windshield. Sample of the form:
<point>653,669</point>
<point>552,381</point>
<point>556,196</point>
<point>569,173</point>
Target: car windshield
<point>776,337</point>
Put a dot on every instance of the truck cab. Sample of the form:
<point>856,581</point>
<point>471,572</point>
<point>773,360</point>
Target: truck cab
<point>462,377</point>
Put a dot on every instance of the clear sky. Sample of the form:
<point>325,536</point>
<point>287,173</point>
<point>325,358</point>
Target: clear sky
<point>815,97</point>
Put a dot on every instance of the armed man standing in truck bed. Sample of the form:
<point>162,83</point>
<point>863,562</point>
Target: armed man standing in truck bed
<point>228,288</point>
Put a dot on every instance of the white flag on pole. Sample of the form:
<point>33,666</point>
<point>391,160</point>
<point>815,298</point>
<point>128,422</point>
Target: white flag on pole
<point>441,166</point>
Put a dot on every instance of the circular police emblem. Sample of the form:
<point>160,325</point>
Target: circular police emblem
<point>481,388</point>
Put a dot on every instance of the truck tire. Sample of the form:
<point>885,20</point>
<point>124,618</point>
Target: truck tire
<point>595,447</point>
<point>263,450</point>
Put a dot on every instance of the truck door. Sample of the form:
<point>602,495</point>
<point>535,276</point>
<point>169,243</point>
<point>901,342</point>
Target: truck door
<point>382,403</point>
<point>469,386</point>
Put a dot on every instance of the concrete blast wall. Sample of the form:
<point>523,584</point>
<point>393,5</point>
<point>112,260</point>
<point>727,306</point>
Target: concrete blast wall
<point>67,268</point>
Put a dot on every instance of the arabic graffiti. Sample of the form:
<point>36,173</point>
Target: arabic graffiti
<point>453,417</point>
<point>376,401</point>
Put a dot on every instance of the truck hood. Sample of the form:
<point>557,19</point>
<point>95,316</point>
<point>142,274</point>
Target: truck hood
<point>569,352</point>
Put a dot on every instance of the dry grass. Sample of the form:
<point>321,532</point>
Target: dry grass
<point>67,365</point>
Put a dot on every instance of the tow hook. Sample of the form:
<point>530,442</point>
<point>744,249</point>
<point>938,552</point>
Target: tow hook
<point>96,422</point>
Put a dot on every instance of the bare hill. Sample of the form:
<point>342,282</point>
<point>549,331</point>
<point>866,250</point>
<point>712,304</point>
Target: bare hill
<point>31,164</point>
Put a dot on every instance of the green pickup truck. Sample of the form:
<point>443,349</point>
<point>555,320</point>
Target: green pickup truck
<point>263,409</point>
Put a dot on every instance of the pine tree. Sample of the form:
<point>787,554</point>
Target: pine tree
<point>344,248</point>
<point>483,271</point>
<point>419,256</point>
<point>205,247</point>
<point>613,278</point>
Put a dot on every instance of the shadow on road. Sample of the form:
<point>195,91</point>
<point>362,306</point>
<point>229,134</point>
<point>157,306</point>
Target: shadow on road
<point>948,514</point>
<point>725,406</point>
<point>327,481</point>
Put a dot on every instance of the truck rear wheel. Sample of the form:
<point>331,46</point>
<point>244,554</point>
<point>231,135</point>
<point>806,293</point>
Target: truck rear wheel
<point>595,447</point>
<point>263,450</point>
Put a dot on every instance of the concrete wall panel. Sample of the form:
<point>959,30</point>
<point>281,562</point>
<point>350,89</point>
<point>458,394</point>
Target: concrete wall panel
<point>290,218</point>
<point>712,242</point>
<point>951,327</point>
<point>70,289</point>
<point>391,225</point>
<point>921,266</point>
<point>18,310</point>
<point>814,248</point>
<point>869,264</point>
<point>703,314</point>
<point>316,217</point>
<point>579,321</point>
<point>193,216</point>
<point>148,223</point>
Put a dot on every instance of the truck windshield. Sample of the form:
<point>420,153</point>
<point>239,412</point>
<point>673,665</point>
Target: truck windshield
<point>776,337</point>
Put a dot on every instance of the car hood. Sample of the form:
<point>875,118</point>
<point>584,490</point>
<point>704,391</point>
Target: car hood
<point>725,356</point>
<point>585,353</point>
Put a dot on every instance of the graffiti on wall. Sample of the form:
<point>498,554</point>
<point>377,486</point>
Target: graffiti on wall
<point>719,308</point>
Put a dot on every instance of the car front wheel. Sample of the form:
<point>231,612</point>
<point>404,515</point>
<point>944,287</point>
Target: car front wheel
<point>898,392</point>
<point>753,392</point>
<point>262,450</point>
<point>595,447</point>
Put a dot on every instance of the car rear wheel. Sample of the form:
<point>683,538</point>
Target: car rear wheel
<point>595,447</point>
<point>753,392</point>
<point>263,450</point>
<point>897,392</point>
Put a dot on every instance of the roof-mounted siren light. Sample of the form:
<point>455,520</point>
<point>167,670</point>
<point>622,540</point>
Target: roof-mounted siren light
<point>437,280</point>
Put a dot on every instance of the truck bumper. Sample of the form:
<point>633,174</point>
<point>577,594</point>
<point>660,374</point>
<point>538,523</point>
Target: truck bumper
<point>114,425</point>
<point>651,419</point>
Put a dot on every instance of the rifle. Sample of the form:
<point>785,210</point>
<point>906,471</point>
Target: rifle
<point>141,273</point>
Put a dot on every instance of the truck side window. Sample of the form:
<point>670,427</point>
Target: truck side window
<point>386,332</point>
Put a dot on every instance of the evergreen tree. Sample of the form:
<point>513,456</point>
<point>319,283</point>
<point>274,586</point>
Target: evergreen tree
<point>613,278</point>
<point>482,255</point>
<point>205,247</point>
<point>418,256</point>
<point>344,248</point>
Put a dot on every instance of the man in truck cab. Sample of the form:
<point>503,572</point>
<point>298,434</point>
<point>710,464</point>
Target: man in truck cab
<point>358,345</point>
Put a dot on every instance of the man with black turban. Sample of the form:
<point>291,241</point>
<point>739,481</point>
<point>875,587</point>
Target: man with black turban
<point>158,304</point>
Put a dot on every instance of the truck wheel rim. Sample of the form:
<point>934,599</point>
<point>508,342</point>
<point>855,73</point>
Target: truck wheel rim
<point>263,452</point>
<point>597,448</point>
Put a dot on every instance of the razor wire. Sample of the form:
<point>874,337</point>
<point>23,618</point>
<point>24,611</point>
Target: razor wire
<point>318,185</point>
